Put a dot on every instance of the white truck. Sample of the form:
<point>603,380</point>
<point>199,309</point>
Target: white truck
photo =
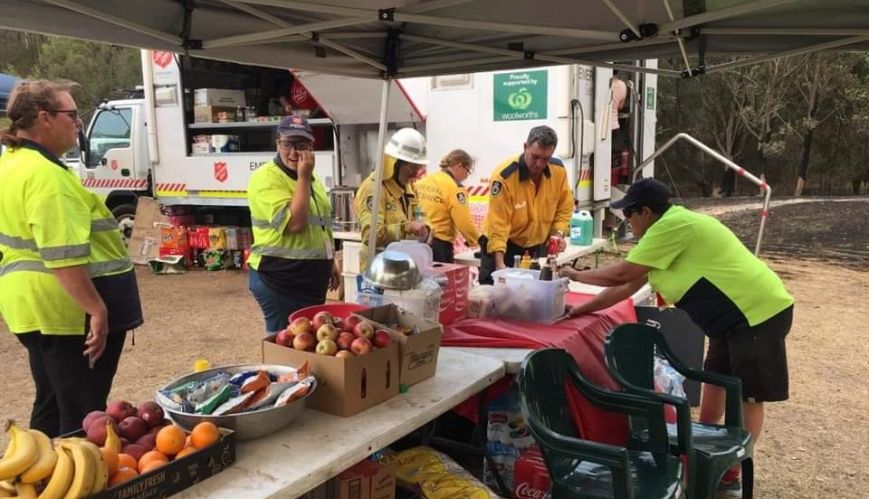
<point>175,145</point>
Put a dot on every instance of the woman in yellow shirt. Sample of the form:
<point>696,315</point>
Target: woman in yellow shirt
<point>444,201</point>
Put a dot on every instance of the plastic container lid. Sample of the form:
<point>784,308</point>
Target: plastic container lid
<point>420,252</point>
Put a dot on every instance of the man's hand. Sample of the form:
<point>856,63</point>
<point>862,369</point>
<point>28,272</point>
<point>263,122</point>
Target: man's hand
<point>305,165</point>
<point>417,228</point>
<point>95,342</point>
<point>568,272</point>
<point>335,278</point>
<point>562,244</point>
<point>499,260</point>
<point>575,311</point>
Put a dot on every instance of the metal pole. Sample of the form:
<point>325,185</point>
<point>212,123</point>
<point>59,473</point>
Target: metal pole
<point>378,171</point>
<point>729,164</point>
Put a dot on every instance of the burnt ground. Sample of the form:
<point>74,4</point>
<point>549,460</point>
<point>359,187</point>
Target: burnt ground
<point>836,232</point>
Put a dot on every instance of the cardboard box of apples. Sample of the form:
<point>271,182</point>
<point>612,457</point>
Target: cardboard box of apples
<point>356,365</point>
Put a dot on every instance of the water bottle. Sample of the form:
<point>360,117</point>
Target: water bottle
<point>581,226</point>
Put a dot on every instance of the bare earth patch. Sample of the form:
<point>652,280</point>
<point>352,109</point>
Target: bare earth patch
<point>815,445</point>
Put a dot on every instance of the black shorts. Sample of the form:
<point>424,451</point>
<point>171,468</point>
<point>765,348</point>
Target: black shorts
<point>757,356</point>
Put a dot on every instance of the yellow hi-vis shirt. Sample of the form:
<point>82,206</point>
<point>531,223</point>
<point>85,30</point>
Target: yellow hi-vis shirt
<point>48,221</point>
<point>269,192</point>
<point>396,210</point>
<point>444,201</point>
<point>523,212</point>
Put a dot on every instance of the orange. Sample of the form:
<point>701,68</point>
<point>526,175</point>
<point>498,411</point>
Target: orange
<point>126,460</point>
<point>188,442</point>
<point>122,475</point>
<point>170,439</point>
<point>112,460</point>
<point>204,434</point>
<point>147,466</point>
<point>186,451</point>
<point>153,455</point>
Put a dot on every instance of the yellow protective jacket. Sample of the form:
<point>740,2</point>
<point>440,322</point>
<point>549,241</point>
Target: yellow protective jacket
<point>396,210</point>
<point>48,221</point>
<point>444,201</point>
<point>522,212</point>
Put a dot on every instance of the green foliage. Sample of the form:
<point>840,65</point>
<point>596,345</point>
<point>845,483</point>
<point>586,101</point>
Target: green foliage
<point>760,116</point>
<point>99,69</point>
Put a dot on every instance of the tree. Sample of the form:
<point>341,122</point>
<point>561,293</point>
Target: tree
<point>99,69</point>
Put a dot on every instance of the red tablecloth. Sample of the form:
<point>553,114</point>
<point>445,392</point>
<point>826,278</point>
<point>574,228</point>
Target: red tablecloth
<point>583,337</point>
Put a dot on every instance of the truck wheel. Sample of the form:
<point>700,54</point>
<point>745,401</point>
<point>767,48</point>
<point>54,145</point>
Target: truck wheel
<point>126,215</point>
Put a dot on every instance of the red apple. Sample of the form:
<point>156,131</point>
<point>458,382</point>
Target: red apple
<point>327,347</point>
<point>344,340</point>
<point>322,317</point>
<point>360,346</point>
<point>338,323</point>
<point>382,338</point>
<point>300,325</point>
<point>285,338</point>
<point>364,330</point>
<point>132,428</point>
<point>120,410</point>
<point>151,413</point>
<point>148,441</point>
<point>134,450</point>
<point>304,341</point>
<point>350,322</point>
<point>344,354</point>
<point>327,332</point>
<point>91,416</point>
<point>96,432</point>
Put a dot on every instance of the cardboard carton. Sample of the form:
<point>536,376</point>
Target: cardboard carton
<point>213,114</point>
<point>144,244</point>
<point>344,386</point>
<point>364,480</point>
<point>419,351</point>
<point>218,97</point>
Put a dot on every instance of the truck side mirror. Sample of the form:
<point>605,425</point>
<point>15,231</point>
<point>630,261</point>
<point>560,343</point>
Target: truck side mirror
<point>84,148</point>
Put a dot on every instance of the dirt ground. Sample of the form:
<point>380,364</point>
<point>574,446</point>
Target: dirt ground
<point>815,445</point>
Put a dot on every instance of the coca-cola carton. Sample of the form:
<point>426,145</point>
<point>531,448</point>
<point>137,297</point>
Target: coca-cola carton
<point>530,476</point>
<point>454,300</point>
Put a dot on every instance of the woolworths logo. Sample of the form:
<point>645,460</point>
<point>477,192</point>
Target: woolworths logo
<point>520,96</point>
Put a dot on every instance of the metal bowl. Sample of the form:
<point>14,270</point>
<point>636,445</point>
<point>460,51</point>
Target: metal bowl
<point>393,270</point>
<point>247,425</point>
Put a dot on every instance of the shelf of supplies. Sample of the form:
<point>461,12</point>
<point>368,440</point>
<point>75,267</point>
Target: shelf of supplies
<point>252,124</point>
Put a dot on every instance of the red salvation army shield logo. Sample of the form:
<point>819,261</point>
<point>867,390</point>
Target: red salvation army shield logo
<point>221,172</point>
<point>161,58</point>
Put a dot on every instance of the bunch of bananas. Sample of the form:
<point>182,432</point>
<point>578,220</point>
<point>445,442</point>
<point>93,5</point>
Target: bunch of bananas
<point>71,468</point>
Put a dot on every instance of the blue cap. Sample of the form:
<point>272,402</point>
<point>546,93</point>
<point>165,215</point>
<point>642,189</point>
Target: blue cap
<point>644,192</point>
<point>295,126</point>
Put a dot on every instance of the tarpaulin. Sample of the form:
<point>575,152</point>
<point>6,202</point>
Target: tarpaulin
<point>583,337</point>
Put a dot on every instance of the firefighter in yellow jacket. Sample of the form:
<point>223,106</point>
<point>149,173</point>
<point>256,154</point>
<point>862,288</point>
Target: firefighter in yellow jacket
<point>399,216</point>
<point>444,201</point>
<point>67,287</point>
<point>529,202</point>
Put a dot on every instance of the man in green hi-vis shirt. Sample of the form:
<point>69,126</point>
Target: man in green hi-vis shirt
<point>697,264</point>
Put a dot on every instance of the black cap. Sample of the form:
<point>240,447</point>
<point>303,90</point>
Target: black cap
<point>644,192</point>
<point>295,126</point>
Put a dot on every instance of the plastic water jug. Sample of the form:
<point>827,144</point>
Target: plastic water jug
<point>581,228</point>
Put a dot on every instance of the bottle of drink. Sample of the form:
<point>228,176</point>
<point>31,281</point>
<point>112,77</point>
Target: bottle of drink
<point>517,261</point>
<point>548,272</point>
<point>525,263</point>
<point>419,217</point>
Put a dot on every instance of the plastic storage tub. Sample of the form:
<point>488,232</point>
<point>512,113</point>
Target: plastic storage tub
<point>519,294</point>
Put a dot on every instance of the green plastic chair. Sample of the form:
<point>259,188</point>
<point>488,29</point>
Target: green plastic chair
<point>581,468</point>
<point>630,351</point>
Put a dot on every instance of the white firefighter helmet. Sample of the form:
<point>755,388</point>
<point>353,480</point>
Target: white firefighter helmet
<point>407,144</point>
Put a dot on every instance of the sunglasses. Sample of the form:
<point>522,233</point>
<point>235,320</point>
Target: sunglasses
<point>299,145</point>
<point>72,113</point>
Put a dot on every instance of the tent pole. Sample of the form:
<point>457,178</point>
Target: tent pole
<point>615,10</point>
<point>378,172</point>
<point>798,51</point>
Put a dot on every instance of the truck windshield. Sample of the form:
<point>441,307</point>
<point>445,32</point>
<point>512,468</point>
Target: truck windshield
<point>110,130</point>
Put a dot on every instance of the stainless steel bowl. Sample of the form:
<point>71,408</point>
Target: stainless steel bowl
<point>247,425</point>
<point>393,270</point>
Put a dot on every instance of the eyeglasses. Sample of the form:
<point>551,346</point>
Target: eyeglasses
<point>299,145</point>
<point>628,211</point>
<point>72,113</point>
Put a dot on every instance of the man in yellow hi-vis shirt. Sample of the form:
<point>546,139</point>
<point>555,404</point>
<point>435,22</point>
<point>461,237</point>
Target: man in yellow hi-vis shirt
<point>444,201</point>
<point>67,287</point>
<point>529,202</point>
